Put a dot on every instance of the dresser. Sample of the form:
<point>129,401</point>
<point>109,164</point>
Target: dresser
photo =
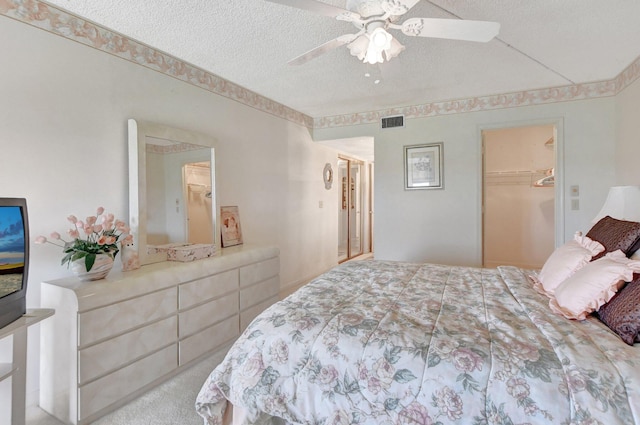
<point>112,340</point>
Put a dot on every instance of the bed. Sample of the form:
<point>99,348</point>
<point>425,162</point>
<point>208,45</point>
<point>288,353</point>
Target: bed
<point>383,342</point>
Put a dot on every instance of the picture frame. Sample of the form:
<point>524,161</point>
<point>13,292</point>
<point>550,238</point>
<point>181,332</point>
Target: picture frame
<point>424,166</point>
<point>230,226</point>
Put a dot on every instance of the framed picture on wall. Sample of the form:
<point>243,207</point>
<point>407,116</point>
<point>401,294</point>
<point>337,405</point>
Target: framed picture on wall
<point>424,166</point>
<point>230,226</point>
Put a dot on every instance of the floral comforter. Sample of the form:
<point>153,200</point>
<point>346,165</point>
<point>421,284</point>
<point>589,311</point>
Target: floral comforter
<point>380,342</point>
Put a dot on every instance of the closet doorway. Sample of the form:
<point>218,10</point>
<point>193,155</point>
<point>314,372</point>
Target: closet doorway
<point>196,177</point>
<point>350,208</point>
<point>518,196</point>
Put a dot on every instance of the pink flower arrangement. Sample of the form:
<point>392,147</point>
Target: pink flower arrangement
<point>101,233</point>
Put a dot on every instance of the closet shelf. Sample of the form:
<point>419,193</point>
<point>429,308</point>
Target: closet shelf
<point>531,178</point>
<point>548,181</point>
<point>545,171</point>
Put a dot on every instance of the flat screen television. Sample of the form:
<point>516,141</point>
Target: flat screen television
<point>14,259</point>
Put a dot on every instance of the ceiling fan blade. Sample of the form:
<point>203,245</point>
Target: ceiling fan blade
<point>322,49</point>
<point>455,29</point>
<point>320,8</point>
<point>398,7</point>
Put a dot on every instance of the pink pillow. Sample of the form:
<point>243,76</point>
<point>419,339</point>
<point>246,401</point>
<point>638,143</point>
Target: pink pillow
<point>564,262</point>
<point>593,285</point>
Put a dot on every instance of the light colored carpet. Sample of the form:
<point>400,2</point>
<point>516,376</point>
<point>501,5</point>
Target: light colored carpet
<point>171,403</point>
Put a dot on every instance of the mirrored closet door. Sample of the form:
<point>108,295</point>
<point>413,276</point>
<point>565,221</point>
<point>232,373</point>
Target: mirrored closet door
<point>350,208</point>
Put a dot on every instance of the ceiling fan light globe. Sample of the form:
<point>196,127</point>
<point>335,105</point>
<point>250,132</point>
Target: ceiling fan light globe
<point>378,41</point>
<point>380,38</point>
<point>393,50</point>
<point>358,47</point>
<point>372,60</point>
<point>373,55</point>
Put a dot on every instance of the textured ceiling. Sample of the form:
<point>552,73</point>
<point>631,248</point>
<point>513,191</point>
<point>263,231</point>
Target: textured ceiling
<point>543,43</point>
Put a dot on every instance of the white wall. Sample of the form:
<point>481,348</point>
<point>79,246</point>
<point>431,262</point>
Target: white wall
<point>63,132</point>
<point>444,226</point>
<point>628,136</point>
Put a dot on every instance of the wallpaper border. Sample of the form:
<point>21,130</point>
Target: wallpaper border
<point>59,22</point>
<point>499,101</point>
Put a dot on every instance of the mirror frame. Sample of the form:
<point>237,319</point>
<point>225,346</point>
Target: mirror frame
<point>138,132</point>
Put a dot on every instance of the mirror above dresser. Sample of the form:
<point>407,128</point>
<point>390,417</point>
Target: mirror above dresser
<point>172,194</point>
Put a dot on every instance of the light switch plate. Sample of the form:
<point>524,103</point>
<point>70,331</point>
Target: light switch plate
<point>575,190</point>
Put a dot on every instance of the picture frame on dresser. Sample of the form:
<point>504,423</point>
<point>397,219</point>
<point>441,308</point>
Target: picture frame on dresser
<point>230,226</point>
<point>424,166</point>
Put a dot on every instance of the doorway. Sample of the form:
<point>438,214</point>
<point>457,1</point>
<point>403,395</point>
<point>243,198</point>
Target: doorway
<point>199,211</point>
<point>350,207</point>
<point>518,196</point>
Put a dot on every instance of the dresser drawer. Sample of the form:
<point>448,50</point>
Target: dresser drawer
<point>200,290</point>
<point>259,292</point>
<point>257,272</point>
<point>112,354</point>
<point>208,339</point>
<point>112,388</point>
<point>197,318</point>
<point>117,318</point>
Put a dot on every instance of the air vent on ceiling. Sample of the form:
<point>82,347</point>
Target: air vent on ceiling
<point>393,122</point>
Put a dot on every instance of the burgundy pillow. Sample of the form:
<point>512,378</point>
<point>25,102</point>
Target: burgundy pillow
<point>622,313</point>
<point>616,234</point>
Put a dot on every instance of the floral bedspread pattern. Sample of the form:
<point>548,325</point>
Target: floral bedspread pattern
<point>380,342</point>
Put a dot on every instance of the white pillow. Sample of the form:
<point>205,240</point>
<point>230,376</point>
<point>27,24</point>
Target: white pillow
<point>593,285</point>
<point>564,262</point>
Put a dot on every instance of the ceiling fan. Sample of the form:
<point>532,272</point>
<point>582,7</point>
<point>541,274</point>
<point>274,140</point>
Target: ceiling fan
<point>372,43</point>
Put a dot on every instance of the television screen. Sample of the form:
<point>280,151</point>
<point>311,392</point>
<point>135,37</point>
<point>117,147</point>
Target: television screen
<point>12,249</point>
<point>14,258</point>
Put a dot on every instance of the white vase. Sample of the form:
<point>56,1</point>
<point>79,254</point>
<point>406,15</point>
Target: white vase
<point>100,269</point>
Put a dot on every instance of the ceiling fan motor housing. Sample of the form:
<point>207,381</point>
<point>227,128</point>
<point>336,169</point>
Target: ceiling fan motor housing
<point>366,8</point>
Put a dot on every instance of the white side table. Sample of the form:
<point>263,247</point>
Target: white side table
<point>17,369</point>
